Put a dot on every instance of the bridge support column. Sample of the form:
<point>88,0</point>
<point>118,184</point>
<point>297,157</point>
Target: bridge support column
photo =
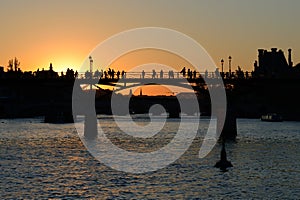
<point>90,122</point>
<point>229,131</point>
<point>90,126</point>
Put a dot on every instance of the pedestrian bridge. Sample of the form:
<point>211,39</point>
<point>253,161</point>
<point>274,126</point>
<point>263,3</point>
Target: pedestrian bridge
<point>193,80</point>
<point>196,81</point>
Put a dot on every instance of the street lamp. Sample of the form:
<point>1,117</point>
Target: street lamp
<point>91,64</point>
<point>229,58</point>
<point>91,70</point>
<point>222,64</point>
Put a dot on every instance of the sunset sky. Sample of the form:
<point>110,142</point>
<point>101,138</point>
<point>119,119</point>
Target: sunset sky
<point>64,32</point>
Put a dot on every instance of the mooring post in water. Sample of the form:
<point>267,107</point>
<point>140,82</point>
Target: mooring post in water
<point>223,163</point>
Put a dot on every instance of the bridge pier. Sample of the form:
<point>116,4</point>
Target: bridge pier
<point>90,126</point>
<point>59,112</point>
<point>229,131</point>
<point>90,121</point>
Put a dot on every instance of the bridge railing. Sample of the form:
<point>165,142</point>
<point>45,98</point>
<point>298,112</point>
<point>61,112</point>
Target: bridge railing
<point>167,75</point>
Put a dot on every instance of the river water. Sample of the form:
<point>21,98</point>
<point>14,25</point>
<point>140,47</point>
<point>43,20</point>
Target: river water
<point>45,161</point>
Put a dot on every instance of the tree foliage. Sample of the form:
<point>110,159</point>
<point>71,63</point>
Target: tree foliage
<point>13,64</point>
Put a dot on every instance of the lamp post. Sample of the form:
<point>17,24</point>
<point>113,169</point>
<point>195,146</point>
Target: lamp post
<point>222,64</point>
<point>91,71</point>
<point>222,68</point>
<point>91,64</point>
<point>229,58</point>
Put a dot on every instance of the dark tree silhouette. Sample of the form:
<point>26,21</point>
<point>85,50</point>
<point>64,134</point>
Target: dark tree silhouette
<point>13,64</point>
<point>10,65</point>
<point>16,64</point>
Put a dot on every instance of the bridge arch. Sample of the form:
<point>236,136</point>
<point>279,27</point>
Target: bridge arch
<point>140,84</point>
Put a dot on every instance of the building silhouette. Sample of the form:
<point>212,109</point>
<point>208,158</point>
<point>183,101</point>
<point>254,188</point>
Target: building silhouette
<point>47,74</point>
<point>273,64</point>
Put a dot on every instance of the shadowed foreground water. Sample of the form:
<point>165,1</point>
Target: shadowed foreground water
<point>45,161</point>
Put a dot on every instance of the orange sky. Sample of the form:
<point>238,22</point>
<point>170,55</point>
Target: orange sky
<point>140,57</point>
<point>65,32</point>
<point>156,90</point>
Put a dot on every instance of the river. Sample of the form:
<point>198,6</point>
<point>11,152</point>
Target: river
<point>49,161</point>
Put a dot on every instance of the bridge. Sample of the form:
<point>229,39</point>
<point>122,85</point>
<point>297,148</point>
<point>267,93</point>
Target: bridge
<point>197,81</point>
<point>247,96</point>
<point>194,75</point>
<point>194,80</point>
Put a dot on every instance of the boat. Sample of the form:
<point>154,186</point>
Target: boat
<point>272,117</point>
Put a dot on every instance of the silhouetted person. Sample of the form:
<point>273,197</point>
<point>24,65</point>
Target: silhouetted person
<point>217,73</point>
<point>189,73</point>
<point>206,74</point>
<point>222,74</point>
<point>118,74</point>
<point>171,74</point>
<point>227,75</point>
<point>223,164</point>
<point>153,73</point>
<point>161,74</point>
<point>97,74</point>
<point>195,74</point>
<point>183,71</point>
<point>112,74</point>
<point>143,74</point>
<point>101,73</point>
<point>70,73</point>
<point>109,72</point>
<point>87,75</point>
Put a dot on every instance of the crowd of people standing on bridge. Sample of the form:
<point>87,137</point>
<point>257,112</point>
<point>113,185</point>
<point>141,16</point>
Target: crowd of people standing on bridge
<point>192,74</point>
<point>112,74</point>
<point>185,73</point>
<point>109,74</point>
<point>161,74</point>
